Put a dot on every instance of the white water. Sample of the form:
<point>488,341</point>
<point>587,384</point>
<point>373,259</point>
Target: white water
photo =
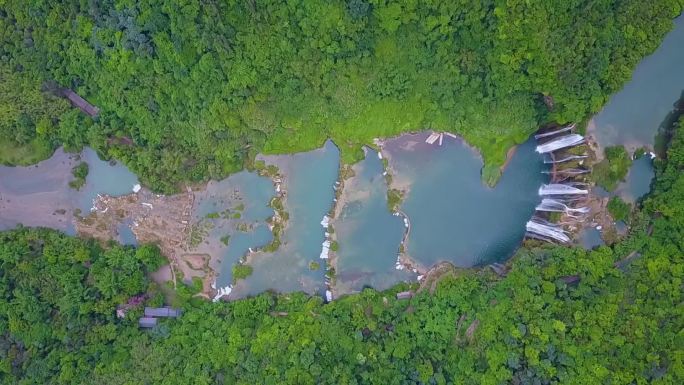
<point>561,189</point>
<point>548,204</point>
<point>562,142</point>
<point>546,231</point>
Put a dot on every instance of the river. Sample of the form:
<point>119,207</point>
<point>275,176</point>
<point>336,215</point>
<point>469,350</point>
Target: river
<point>453,216</point>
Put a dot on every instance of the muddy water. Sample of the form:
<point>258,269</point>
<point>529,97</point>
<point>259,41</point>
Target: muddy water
<point>634,115</point>
<point>368,234</point>
<point>454,216</point>
<point>308,179</point>
<point>40,195</point>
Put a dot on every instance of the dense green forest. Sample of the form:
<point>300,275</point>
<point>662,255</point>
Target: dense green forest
<point>190,90</point>
<point>561,315</point>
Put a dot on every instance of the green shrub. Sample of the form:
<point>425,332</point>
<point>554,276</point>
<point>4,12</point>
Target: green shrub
<point>619,209</point>
<point>80,172</point>
<point>612,170</point>
<point>241,272</point>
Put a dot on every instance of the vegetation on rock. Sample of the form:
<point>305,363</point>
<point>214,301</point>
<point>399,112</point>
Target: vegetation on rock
<point>80,172</point>
<point>561,315</point>
<point>613,169</point>
<point>241,271</point>
<point>191,91</point>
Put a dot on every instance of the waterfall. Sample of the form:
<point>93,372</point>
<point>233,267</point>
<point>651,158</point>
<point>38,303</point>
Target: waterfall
<point>551,133</point>
<point>561,189</point>
<point>546,231</point>
<point>562,142</point>
<point>554,205</point>
<point>568,171</point>
<point>567,158</point>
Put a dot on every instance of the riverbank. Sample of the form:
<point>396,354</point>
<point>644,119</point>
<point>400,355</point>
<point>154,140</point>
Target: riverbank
<point>216,231</point>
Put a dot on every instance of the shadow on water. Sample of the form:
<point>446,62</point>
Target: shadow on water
<point>591,238</point>
<point>639,179</point>
<point>665,128</point>
<point>632,116</point>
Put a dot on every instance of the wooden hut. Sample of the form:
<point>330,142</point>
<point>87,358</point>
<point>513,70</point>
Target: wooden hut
<point>162,312</point>
<point>147,322</point>
<point>79,102</point>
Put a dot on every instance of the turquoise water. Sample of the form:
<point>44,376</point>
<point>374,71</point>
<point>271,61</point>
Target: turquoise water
<point>368,234</point>
<point>638,180</point>
<point>238,246</point>
<point>634,115</point>
<point>103,178</point>
<point>308,179</point>
<point>241,199</point>
<point>454,216</point>
<point>249,189</point>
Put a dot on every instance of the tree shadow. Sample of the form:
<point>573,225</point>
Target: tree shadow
<point>664,134</point>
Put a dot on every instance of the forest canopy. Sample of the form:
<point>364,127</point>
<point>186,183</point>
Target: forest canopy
<point>561,315</point>
<point>190,90</point>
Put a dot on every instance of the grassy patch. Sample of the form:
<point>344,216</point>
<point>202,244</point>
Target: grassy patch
<point>394,199</point>
<point>554,217</point>
<point>198,232</point>
<point>225,240</point>
<point>241,272</point>
<point>13,154</point>
<point>313,265</point>
<point>619,209</point>
<point>80,172</point>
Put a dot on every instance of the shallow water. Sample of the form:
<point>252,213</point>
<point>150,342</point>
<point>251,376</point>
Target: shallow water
<point>36,195</point>
<point>633,116</point>
<point>638,180</point>
<point>241,199</point>
<point>454,216</point>
<point>621,228</point>
<point>40,195</point>
<point>125,234</point>
<point>368,234</point>
<point>308,179</point>
<point>591,238</point>
<point>113,179</point>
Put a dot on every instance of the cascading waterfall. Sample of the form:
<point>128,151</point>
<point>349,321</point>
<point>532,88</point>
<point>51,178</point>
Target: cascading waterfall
<point>551,133</point>
<point>567,158</point>
<point>562,142</point>
<point>568,171</point>
<point>544,230</point>
<point>554,205</point>
<point>561,189</point>
<point>559,197</point>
